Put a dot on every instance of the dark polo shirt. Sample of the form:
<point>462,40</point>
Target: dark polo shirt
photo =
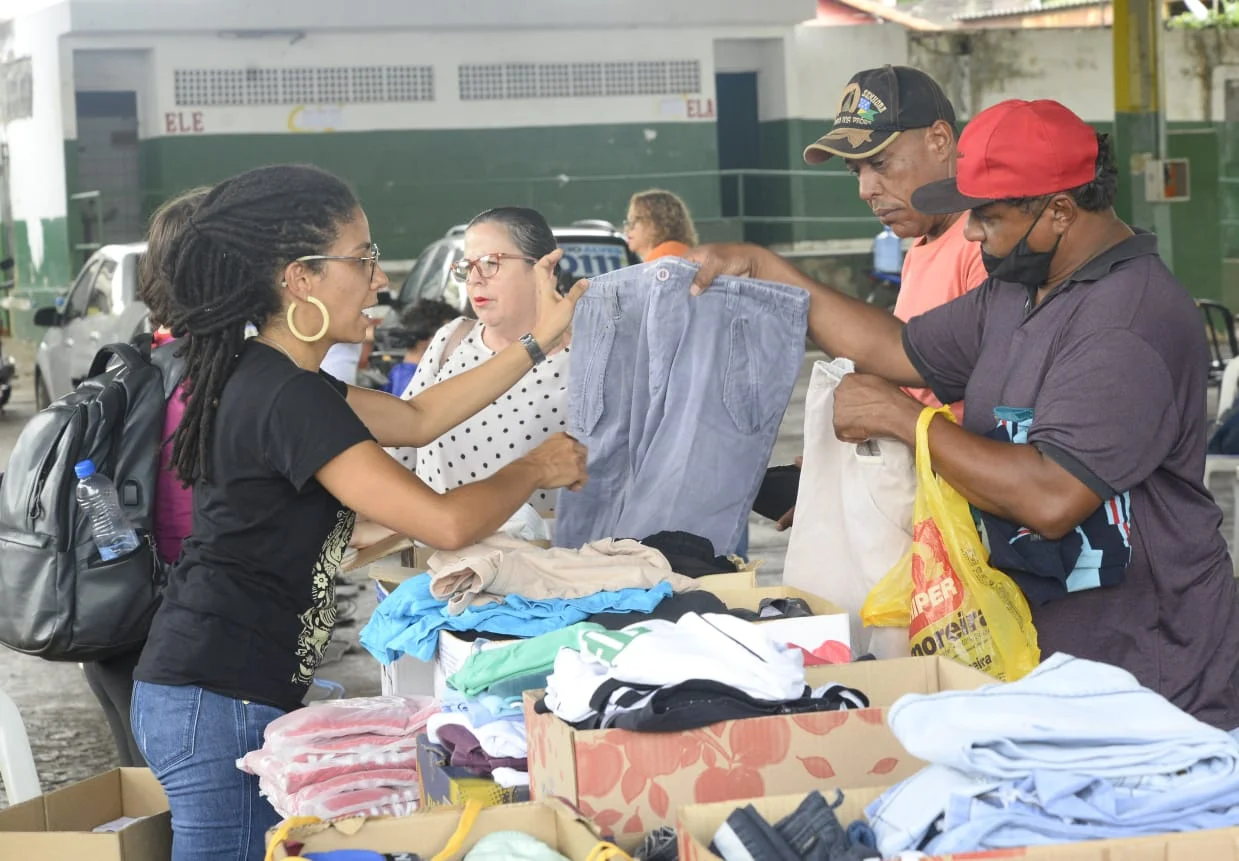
<point>1113,364</point>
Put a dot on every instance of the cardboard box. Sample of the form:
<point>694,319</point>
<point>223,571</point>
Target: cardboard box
<point>630,782</point>
<point>829,622</point>
<point>402,552</point>
<point>376,551</point>
<point>444,785</point>
<point>60,824</point>
<point>696,825</point>
<point>427,833</point>
<point>407,676</point>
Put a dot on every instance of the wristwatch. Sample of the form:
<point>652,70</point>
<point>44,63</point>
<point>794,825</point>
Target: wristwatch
<point>532,348</point>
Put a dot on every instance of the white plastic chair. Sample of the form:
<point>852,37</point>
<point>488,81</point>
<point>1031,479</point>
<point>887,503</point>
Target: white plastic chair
<point>17,771</point>
<point>1228,387</point>
<point>1234,546</point>
<point>1226,399</point>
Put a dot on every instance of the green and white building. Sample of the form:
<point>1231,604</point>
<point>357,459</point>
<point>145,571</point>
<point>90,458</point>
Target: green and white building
<point>437,109</point>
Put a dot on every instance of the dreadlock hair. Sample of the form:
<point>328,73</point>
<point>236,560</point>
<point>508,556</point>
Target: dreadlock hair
<point>225,272</point>
<point>154,266</point>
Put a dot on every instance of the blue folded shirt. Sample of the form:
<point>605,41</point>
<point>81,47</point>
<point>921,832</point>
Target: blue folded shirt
<point>410,618</point>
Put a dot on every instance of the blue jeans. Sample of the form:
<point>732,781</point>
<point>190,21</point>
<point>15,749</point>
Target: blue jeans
<point>192,739</point>
<point>679,401</point>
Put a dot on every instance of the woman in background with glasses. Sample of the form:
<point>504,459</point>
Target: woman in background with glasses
<point>282,458</point>
<point>659,225</point>
<point>501,247</point>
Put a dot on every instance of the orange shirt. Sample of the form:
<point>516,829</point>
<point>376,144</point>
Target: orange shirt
<point>935,272</point>
<point>670,248</point>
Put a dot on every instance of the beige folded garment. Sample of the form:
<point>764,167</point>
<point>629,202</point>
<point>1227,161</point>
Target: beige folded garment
<point>485,572</point>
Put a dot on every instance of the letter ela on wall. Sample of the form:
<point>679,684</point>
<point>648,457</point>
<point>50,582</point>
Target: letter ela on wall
<point>686,108</point>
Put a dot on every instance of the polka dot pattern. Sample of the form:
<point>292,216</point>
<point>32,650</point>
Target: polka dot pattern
<point>507,429</point>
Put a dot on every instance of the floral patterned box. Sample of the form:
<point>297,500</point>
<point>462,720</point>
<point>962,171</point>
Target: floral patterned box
<point>628,783</point>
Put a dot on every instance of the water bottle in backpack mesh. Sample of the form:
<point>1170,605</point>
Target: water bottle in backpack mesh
<point>96,495</point>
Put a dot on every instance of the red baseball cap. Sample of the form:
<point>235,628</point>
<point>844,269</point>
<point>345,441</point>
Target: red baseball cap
<point>1015,149</point>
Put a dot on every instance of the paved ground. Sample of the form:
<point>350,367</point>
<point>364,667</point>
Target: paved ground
<point>67,730</point>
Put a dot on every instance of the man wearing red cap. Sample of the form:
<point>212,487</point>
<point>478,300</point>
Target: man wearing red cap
<point>1084,366</point>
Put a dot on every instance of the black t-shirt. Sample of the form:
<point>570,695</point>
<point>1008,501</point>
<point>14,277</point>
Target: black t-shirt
<point>250,607</point>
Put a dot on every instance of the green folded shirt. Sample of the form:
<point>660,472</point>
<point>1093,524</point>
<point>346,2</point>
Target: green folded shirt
<point>524,658</point>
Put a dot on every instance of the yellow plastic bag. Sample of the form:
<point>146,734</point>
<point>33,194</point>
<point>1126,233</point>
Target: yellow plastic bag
<point>944,591</point>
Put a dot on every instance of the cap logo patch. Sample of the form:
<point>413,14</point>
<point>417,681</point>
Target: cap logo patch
<point>851,95</point>
<point>858,107</point>
<point>869,106</point>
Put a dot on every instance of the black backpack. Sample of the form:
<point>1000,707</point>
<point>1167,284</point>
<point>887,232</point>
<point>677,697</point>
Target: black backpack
<point>58,599</point>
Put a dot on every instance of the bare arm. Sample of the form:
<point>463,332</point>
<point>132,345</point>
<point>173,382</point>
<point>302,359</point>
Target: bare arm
<point>839,324</point>
<point>438,409</point>
<point>1015,482</point>
<point>370,482</point>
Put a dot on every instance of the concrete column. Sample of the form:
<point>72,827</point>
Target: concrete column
<point>1139,124</point>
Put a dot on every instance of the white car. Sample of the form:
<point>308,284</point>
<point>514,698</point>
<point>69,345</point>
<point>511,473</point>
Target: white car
<point>100,308</point>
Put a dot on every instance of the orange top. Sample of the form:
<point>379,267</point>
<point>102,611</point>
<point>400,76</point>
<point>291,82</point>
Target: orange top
<point>935,271</point>
<point>670,248</point>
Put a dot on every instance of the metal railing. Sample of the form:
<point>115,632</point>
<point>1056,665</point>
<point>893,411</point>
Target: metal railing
<point>803,204</point>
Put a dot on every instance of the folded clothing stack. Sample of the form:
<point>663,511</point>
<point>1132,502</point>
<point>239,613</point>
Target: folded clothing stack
<point>410,619</point>
<point>660,676</point>
<point>482,742</point>
<point>343,758</point>
<point>1075,750</point>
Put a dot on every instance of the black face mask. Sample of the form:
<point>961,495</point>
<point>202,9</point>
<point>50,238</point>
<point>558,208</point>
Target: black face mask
<point>1023,265</point>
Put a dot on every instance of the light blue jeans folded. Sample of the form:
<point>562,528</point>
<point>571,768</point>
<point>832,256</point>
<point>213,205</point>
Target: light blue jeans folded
<point>679,400</point>
<point>1075,750</point>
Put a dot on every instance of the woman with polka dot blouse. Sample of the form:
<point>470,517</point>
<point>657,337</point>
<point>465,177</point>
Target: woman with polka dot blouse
<point>501,247</point>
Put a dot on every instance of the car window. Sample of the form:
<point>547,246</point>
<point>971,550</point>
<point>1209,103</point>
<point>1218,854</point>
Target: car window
<point>79,296</point>
<point>587,259</point>
<point>428,264</point>
<point>125,289</point>
<point>439,273</point>
<point>100,298</point>
<point>453,292</point>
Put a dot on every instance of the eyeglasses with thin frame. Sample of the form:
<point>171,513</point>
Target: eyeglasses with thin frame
<point>372,258</point>
<point>630,223</point>
<point>487,265</point>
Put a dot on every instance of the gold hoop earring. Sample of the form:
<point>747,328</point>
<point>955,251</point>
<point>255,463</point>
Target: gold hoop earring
<point>317,336</point>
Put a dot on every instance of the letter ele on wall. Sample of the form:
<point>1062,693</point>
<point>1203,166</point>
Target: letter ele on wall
<point>184,123</point>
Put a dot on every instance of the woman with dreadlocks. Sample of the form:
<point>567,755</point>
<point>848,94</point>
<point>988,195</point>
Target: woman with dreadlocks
<point>281,459</point>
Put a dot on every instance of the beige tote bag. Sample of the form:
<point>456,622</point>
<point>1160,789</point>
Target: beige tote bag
<point>853,514</point>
